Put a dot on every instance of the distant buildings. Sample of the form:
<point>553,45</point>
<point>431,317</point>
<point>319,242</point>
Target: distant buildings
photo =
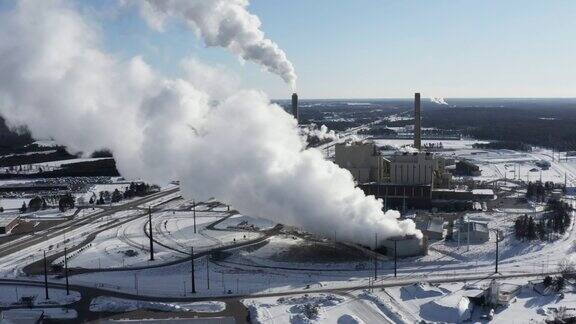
<point>466,168</point>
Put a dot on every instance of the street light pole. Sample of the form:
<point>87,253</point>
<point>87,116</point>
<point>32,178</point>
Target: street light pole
<point>151,239</point>
<point>46,276</point>
<point>66,270</point>
<point>208,271</point>
<point>192,266</point>
<point>496,270</point>
<point>375,256</point>
<point>194,214</point>
<point>395,258</point>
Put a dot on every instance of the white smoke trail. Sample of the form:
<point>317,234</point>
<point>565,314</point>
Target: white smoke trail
<point>224,23</point>
<point>55,79</point>
<point>439,101</point>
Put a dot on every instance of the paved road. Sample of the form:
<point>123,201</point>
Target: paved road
<point>365,311</point>
<point>15,246</point>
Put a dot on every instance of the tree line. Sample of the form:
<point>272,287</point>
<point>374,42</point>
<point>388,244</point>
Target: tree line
<point>557,219</point>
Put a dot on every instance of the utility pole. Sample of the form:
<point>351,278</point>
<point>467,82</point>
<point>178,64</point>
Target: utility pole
<point>151,239</point>
<point>540,176</point>
<point>66,270</point>
<point>194,214</point>
<point>459,230</point>
<point>207,271</point>
<point>375,256</point>
<point>496,270</point>
<point>468,236</point>
<point>46,276</point>
<point>192,267</point>
<point>395,258</point>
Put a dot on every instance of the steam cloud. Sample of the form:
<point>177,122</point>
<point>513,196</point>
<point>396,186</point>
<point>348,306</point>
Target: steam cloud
<point>321,134</point>
<point>56,80</point>
<point>224,23</point>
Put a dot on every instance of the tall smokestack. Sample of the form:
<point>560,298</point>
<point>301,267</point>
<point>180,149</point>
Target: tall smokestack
<point>417,122</point>
<point>295,107</point>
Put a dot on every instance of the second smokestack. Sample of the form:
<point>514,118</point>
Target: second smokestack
<point>417,122</point>
<point>295,107</point>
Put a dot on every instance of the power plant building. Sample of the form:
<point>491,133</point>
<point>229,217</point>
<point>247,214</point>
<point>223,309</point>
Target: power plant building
<point>363,160</point>
<point>413,168</point>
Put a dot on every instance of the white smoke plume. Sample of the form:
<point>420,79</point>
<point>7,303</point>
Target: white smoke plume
<point>315,134</point>
<point>56,80</point>
<point>439,101</point>
<point>224,23</point>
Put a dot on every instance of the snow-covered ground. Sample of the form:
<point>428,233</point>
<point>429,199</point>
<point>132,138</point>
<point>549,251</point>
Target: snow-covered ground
<point>13,203</point>
<point>128,244</point>
<point>11,294</point>
<point>312,308</point>
<point>445,303</point>
<point>111,304</point>
<point>53,313</point>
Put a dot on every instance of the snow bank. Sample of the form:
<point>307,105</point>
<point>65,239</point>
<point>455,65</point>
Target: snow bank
<point>111,304</point>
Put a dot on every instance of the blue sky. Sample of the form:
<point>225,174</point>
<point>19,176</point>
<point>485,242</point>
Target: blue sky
<point>386,49</point>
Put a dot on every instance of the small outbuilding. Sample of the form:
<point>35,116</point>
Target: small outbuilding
<point>434,229</point>
<point>453,308</point>
<point>405,246</point>
<point>473,231</point>
<point>501,293</point>
<point>8,222</point>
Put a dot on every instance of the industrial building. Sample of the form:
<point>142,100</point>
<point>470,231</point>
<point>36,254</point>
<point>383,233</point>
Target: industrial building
<point>413,168</point>
<point>403,179</point>
<point>463,194</point>
<point>432,228</point>
<point>8,222</point>
<point>363,160</point>
<point>466,168</point>
<point>399,196</point>
<point>405,246</point>
<point>473,231</point>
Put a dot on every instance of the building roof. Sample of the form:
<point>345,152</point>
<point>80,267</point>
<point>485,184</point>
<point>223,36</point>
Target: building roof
<point>7,219</point>
<point>435,225</point>
<point>474,226</point>
<point>482,192</point>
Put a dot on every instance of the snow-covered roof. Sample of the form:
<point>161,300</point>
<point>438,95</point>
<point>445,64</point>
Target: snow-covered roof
<point>435,225</point>
<point>482,192</point>
<point>453,308</point>
<point>7,219</point>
